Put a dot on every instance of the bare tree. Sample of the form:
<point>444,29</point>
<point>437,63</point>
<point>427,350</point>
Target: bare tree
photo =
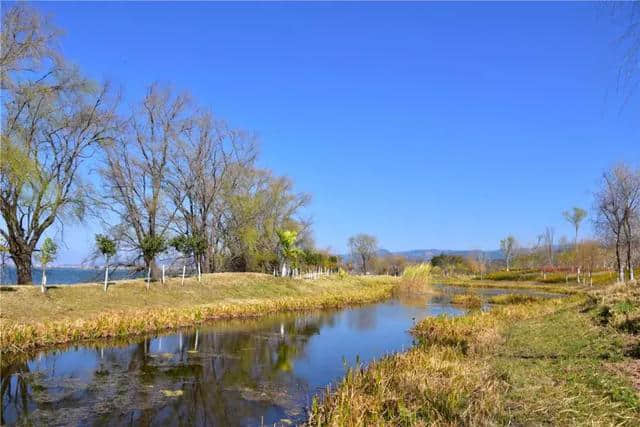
<point>617,207</point>
<point>630,194</point>
<point>52,119</point>
<point>363,249</point>
<point>590,254</point>
<point>509,247</point>
<point>28,46</point>
<point>482,260</point>
<point>626,16</point>
<point>205,164</point>
<point>548,241</point>
<point>136,171</point>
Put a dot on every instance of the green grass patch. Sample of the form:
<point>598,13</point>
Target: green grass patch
<point>569,289</point>
<point>541,363</point>
<point>556,368</point>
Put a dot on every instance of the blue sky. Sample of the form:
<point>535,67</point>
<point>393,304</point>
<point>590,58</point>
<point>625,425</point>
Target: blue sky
<point>430,125</point>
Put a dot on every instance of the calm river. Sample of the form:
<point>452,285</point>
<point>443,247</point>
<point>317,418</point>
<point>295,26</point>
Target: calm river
<point>243,372</point>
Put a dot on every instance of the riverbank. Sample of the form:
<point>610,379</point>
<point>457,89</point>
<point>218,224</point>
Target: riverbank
<point>570,288</point>
<point>562,361</point>
<point>32,320</point>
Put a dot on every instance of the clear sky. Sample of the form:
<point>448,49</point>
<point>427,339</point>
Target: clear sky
<point>430,125</point>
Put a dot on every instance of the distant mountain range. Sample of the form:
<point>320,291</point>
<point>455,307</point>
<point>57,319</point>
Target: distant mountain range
<point>427,254</point>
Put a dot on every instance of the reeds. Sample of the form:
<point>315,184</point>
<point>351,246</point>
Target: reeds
<point>436,386</point>
<point>444,380</point>
<point>416,275</point>
<point>471,301</point>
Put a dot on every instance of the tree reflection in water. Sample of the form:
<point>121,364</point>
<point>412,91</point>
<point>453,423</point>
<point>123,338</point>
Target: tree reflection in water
<point>226,378</point>
<point>232,373</point>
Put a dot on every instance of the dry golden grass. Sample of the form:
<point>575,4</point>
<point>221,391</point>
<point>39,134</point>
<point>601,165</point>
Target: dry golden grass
<point>537,363</point>
<point>467,282</point>
<point>513,299</point>
<point>30,319</point>
<point>434,386</point>
<point>468,300</point>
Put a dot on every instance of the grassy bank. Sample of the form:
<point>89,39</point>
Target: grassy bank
<point>543,362</point>
<point>31,320</point>
<point>561,288</point>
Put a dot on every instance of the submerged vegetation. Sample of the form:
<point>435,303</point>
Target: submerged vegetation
<point>128,308</point>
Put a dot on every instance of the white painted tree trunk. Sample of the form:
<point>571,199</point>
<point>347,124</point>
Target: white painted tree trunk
<point>184,269</point>
<point>199,273</point>
<point>163,274</point>
<point>196,345</point>
<point>43,283</point>
<point>148,278</point>
<point>106,276</point>
<point>284,269</point>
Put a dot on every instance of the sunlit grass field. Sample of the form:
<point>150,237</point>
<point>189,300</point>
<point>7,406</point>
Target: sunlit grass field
<point>562,361</point>
<point>31,319</point>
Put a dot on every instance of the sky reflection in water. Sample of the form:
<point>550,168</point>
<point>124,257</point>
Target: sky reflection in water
<point>230,373</point>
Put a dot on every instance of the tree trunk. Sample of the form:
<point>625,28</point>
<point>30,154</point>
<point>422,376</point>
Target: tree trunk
<point>106,275</point>
<point>43,283</point>
<point>208,262</point>
<point>151,264</point>
<point>23,265</point>
<point>619,261</point>
<point>629,264</point>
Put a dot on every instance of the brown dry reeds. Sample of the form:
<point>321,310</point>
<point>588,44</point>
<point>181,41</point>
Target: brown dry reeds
<point>29,319</point>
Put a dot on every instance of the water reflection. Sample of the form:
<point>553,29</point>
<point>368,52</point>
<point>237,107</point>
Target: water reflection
<point>232,373</point>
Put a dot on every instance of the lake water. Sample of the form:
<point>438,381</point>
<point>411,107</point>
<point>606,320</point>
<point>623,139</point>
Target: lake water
<point>242,372</point>
<point>65,275</point>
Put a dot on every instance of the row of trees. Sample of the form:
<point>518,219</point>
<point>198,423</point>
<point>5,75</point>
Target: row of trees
<point>616,221</point>
<point>170,174</point>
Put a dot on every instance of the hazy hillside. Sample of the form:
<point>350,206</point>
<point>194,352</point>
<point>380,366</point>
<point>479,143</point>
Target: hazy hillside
<point>427,254</point>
